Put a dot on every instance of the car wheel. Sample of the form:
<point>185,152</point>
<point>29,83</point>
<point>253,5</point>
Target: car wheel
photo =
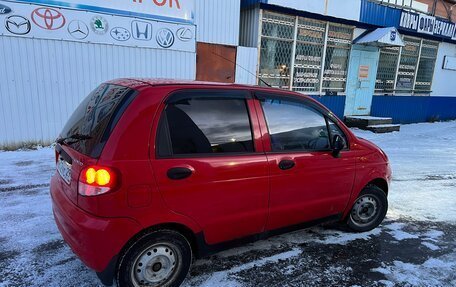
<point>161,258</point>
<point>369,210</point>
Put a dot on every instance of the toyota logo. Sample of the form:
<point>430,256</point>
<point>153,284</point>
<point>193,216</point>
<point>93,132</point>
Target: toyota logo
<point>165,38</point>
<point>48,18</point>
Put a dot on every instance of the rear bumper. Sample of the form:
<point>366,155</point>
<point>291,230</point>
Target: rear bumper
<point>96,241</point>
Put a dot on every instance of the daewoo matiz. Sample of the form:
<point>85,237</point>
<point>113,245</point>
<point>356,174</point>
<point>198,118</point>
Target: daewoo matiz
<point>152,174</point>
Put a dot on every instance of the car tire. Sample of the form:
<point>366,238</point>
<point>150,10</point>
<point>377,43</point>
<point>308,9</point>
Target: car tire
<point>368,210</point>
<point>160,258</point>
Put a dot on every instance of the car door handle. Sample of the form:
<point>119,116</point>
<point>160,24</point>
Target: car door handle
<point>178,173</point>
<point>286,164</point>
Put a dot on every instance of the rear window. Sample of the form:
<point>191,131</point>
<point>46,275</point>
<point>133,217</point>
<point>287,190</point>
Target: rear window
<point>97,116</point>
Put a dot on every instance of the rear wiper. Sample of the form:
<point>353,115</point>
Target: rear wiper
<point>75,138</point>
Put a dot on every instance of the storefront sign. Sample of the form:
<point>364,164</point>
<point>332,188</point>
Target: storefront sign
<point>425,24</point>
<point>168,10</point>
<point>45,22</point>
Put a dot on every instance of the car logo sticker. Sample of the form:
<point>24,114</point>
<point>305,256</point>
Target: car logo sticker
<point>48,18</point>
<point>120,34</point>
<point>184,34</point>
<point>99,25</point>
<point>78,29</point>
<point>4,9</point>
<point>165,38</point>
<point>141,30</point>
<point>18,25</point>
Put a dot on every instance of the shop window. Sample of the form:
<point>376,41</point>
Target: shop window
<point>426,66</point>
<point>386,73</point>
<point>310,68</point>
<point>276,49</point>
<point>337,55</point>
<point>310,41</point>
<point>408,65</point>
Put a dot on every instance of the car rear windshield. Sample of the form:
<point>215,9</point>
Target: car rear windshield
<point>96,117</point>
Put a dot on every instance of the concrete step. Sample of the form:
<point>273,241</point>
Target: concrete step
<point>381,129</point>
<point>363,122</point>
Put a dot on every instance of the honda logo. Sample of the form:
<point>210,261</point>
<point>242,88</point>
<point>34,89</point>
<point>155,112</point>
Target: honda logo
<point>141,30</point>
<point>48,18</point>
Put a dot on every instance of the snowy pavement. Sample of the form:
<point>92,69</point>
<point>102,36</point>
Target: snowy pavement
<point>415,246</point>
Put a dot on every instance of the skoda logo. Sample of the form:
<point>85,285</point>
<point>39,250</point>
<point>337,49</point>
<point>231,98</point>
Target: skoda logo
<point>4,9</point>
<point>48,18</point>
<point>18,25</point>
<point>99,25</point>
<point>165,38</point>
<point>78,29</point>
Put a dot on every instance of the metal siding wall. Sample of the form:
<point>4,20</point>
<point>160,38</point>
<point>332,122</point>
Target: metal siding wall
<point>43,81</point>
<point>335,103</point>
<point>380,15</point>
<point>250,21</point>
<point>246,60</point>
<point>218,21</point>
<point>413,109</point>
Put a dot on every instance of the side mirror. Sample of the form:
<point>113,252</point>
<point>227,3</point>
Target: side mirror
<point>338,145</point>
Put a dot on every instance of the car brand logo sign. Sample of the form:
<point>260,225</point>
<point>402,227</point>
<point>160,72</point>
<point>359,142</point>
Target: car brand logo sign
<point>48,18</point>
<point>18,25</point>
<point>165,38</point>
<point>141,30</point>
<point>78,29</point>
<point>184,34</point>
<point>120,34</point>
<point>99,25</point>
<point>4,9</point>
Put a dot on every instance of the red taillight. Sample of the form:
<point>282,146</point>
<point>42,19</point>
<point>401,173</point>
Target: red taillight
<point>96,180</point>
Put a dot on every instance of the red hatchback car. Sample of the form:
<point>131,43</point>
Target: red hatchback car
<point>151,174</point>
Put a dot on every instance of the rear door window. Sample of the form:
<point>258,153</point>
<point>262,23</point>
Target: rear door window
<point>295,126</point>
<point>205,124</point>
<point>96,117</point>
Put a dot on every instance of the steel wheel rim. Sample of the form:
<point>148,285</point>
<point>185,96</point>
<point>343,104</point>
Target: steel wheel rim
<point>156,266</point>
<point>365,210</point>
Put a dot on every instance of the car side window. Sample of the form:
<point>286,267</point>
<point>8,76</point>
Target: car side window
<point>294,126</point>
<point>335,130</point>
<point>207,126</point>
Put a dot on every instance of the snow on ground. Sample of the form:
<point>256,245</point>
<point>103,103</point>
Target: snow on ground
<point>415,246</point>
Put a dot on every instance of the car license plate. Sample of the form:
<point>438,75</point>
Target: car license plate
<point>64,169</point>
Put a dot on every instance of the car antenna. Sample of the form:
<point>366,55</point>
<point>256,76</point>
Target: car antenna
<point>258,77</point>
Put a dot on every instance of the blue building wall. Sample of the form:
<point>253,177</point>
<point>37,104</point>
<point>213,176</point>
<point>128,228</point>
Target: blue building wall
<point>403,109</point>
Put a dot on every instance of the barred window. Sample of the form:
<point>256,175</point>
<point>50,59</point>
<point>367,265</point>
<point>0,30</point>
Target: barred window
<point>293,55</point>
<point>414,72</point>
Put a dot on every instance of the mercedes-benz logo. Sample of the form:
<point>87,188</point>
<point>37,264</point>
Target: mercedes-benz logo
<point>18,25</point>
<point>165,38</point>
<point>78,29</point>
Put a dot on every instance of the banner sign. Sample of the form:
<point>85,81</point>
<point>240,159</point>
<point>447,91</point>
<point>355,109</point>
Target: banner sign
<point>33,21</point>
<point>164,10</point>
<point>425,24</point>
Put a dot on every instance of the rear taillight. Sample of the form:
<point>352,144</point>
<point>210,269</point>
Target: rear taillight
<point>97,180</point>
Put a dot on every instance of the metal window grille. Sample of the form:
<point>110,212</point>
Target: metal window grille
<point>303,54</point>
<point>386,73</point>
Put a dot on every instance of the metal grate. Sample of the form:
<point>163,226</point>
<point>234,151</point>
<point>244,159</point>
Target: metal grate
<point>308,56</point>
<point>408,65</point>
<point>386,73</point>
<point>337,56</point>
<point>426,66</point>
<point>275,62</point>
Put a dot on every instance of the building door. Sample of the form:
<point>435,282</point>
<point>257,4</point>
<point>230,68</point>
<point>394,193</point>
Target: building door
<point>362,73</point>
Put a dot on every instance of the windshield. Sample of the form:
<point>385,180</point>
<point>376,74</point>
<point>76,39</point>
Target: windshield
<point>96,117</point>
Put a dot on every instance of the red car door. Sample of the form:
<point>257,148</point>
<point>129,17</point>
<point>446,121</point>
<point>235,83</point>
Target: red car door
<point>210,164</point>
<point>306,181</point>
